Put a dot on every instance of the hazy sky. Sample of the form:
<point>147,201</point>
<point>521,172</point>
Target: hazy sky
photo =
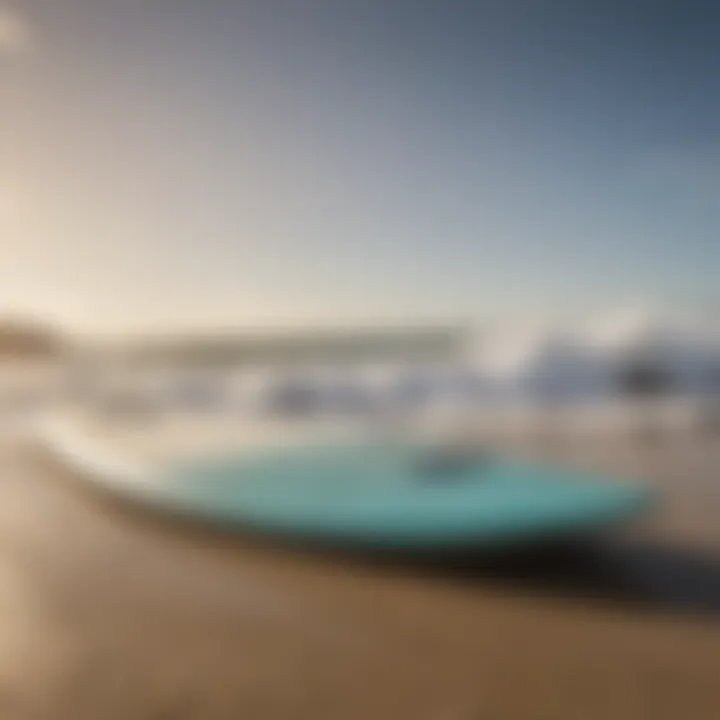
<point>250,161</point>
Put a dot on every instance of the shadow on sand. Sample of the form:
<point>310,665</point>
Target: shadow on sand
<point>648,575</point>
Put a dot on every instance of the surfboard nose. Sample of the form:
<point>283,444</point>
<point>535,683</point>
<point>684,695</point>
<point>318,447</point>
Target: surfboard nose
<point>589,504</point>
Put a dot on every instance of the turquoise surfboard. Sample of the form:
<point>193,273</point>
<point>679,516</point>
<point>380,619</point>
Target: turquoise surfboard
<point>396,497</point>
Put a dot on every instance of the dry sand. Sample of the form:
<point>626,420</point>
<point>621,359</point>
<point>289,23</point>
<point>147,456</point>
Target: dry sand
<point>110,613</point>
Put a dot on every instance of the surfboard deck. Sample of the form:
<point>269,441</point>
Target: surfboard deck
<point>386,496</point>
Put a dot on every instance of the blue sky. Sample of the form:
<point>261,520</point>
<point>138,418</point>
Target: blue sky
<point>299,161</point>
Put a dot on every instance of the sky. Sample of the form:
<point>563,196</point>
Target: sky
<point>189,163</point>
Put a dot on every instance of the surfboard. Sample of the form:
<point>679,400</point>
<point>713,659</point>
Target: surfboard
<point>389,496</point>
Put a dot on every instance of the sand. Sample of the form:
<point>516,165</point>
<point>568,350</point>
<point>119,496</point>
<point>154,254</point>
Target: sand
<point>112,613</point>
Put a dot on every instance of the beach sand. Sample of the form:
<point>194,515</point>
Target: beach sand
<point>114,613</point>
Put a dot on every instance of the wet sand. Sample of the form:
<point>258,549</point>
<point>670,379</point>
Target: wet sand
<point>110,612</point>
